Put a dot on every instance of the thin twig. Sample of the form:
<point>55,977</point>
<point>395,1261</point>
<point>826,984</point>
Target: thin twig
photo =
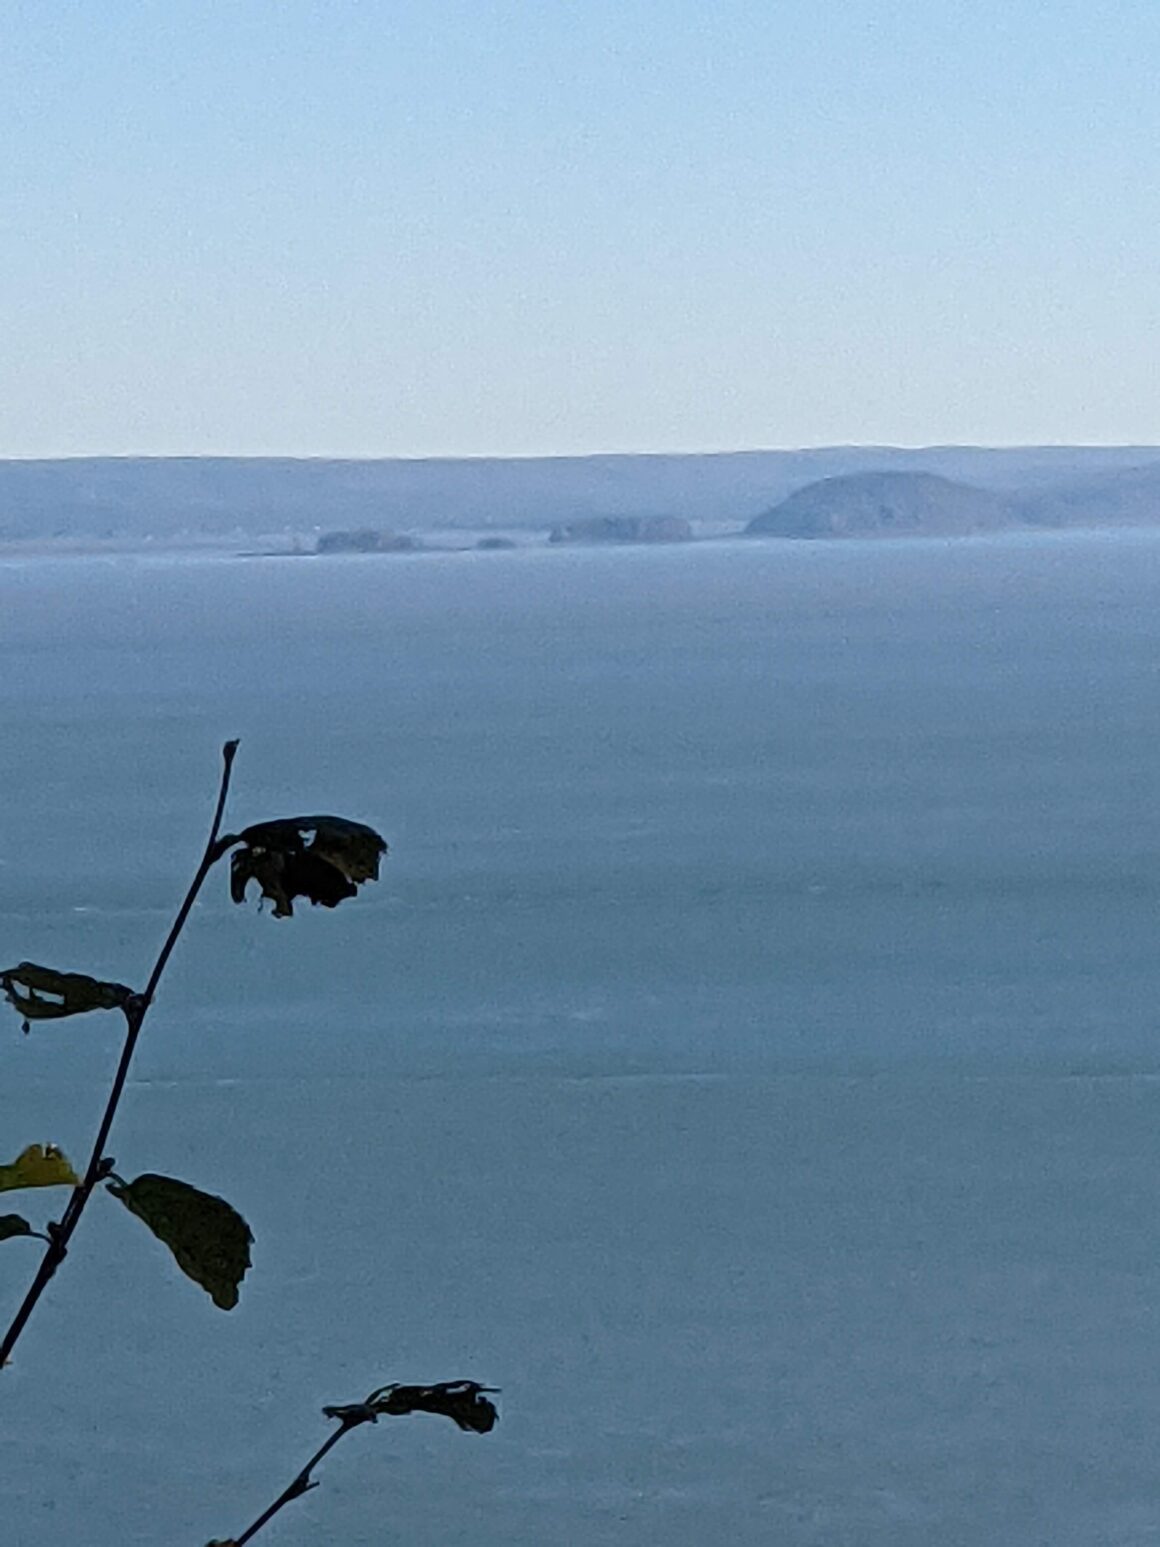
<point>465,1402</point>
<point>302,1483</point>
<point>135,1011</point>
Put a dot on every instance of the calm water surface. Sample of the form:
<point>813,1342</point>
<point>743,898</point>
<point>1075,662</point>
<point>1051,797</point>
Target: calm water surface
<point>747,1060</point>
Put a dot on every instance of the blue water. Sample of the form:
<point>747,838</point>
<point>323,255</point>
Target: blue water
<point>747,1059</point>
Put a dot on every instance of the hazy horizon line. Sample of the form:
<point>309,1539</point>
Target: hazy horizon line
<point>576,456</point>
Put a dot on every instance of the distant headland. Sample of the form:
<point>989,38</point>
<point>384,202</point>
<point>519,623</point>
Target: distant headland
<point>888,505</point>
<point>314,505</point>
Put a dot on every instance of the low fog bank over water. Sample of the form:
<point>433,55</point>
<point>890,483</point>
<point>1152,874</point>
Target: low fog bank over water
<point>748,1059</point>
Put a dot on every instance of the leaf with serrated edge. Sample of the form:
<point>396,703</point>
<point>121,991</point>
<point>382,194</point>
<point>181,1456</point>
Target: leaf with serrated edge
<point>209,1239</point>
<point>40,1165</point>
<point>13,1225</point>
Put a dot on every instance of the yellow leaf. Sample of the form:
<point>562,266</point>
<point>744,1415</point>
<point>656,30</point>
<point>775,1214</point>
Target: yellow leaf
<point>40,1165</point>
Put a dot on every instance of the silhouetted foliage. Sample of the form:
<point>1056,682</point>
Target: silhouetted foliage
<point>12,1225</point>
<point>42,994</point>
<point>463,1401</point>
<point>210,1241</point>
<point>324,859</point>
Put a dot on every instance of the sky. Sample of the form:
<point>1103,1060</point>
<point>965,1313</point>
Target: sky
<point>458,227</point>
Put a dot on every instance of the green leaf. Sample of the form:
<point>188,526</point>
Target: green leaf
<point>40,1165</point>
<point>323,858</point>
<point>13,1225</point>
<point>210,1241</point>
<point>43,994</point>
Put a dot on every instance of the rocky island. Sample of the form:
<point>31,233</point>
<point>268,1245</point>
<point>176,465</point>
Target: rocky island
<point>623,529</point>
<point>878,504</point>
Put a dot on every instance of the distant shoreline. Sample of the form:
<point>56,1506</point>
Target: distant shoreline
<point>103,504</point>
<point>65,551</point>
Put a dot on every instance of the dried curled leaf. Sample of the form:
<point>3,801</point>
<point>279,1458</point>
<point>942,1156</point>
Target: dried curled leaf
<point>209,1239</point>
<point>43,994</point>
<point>323,858</point>
<point>40,1165</point>
<point>463,1401</point>
<point>13,1225</point>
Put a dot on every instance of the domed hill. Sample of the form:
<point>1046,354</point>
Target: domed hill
<point>885,505</point>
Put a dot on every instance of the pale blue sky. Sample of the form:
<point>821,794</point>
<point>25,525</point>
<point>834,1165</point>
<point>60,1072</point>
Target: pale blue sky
<point>467,227</point>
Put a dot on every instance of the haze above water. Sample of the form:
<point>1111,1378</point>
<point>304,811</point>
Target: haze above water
<point>748,1060</point>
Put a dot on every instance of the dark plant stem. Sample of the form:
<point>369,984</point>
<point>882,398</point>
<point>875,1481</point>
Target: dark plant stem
<point>135,1011</point>
<point>303,1482</point>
